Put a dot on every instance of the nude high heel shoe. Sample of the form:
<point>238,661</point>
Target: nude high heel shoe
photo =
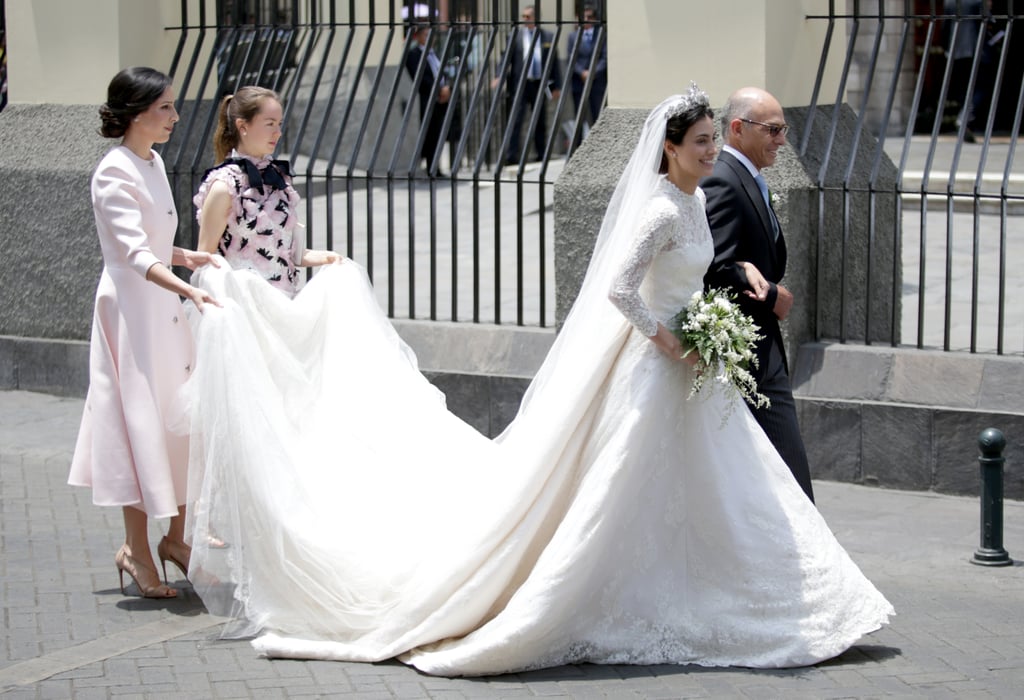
<point>180,559</point>
<point>126,563</point>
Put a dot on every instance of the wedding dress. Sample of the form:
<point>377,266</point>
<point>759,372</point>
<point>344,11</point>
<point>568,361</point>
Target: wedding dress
<point>615,520</point>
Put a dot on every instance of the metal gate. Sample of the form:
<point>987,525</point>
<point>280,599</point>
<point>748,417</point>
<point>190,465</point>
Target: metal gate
<point>463,234</point>
<point>937,87</point>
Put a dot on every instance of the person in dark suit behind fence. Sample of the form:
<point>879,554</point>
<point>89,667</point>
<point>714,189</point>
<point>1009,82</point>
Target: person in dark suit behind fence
<point>527,62</point>
<point>432,73</point>
<point>587,37</point>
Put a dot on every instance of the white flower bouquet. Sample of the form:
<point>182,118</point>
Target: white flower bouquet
<point>713,326</point>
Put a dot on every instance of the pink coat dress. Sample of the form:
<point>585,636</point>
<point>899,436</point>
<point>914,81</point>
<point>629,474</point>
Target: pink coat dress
<point>141,348</point>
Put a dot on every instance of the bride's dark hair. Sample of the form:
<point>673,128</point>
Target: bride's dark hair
<point>130,93</point>
<point>679,123</point>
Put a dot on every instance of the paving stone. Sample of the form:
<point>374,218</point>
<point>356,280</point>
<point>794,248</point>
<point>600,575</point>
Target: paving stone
<point>959,631</point>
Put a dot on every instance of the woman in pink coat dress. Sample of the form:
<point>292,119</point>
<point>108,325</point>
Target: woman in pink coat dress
<point>141,347</point>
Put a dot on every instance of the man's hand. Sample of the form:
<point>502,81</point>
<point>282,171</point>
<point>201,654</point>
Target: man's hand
<point>783,303</point>
<point>444,94</point>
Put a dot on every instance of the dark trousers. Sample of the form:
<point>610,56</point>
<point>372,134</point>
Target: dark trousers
<point>433,136</point>
<point>594,100</point>
<point>533,97</point>
<point>779,421</point>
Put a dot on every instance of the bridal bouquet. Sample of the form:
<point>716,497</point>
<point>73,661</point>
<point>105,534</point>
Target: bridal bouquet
<point>713,326</point>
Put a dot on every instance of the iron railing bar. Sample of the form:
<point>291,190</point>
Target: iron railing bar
<point>897,269</point>
<point>840,92</point>
<point>311,37</point>
<point>307,113</point>
<point>570,62</point>
<point>823,173</point>
<point>332,160</point>
<point>848,176</point>
<point>358,144</point>
<point>202,91</point>
<point>492,116</point>
<point>315,150</point>
<point>450,112</point>
<point>818,78</point>
<point>914,106</point>
<point>889,102</point>
<point>474,97</point>
<point>180,47</point>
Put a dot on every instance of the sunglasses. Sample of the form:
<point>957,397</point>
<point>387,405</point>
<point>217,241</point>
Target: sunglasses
<point>772,129</point>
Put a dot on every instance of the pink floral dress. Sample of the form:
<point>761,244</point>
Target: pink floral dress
<point>263,233</point>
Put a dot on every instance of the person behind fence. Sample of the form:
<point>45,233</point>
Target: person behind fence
<point>246,206</point>
<point>532,51</point>
<point>973,21</point>
<point>433,74</point>
<point>615,521</point>
<point>586,37</point>
<point>140,353</point>
<point>961,39</point>
<point>745,228</point>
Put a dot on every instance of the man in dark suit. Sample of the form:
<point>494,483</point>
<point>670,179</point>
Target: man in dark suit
<point>532,49</point>
<point>586,36</point>
<point>432,73</point>
<point>745,229</point>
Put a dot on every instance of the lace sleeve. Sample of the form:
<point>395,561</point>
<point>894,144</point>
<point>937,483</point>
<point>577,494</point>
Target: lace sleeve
<point>653,235</point>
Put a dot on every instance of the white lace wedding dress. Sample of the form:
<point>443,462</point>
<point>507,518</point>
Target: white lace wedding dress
<point>616,521</point>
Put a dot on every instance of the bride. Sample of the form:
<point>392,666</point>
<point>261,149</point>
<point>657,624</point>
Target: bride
<point>614,521</point>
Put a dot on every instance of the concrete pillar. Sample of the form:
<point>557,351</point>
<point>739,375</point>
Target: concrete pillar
<point>61,56</point>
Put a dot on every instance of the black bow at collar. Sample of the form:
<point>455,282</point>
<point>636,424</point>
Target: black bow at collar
<point>272,174</point>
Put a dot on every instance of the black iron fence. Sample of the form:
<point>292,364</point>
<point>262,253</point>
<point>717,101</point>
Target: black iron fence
<point>924,254</point>
<point>424,145</point>
<point>920,227</point>
<point>3,54</point>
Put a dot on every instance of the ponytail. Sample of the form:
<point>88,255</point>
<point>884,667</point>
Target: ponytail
<point>225,136</point>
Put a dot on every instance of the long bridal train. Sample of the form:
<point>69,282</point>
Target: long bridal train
<point>613,522</point>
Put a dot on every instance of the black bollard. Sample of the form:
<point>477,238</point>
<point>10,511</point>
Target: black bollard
<point>991,553</point>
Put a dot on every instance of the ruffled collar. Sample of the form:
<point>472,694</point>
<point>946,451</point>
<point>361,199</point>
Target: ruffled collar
<point>260,163</point>
<point>260,171</point>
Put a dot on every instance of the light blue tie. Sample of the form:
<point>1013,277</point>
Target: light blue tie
<point>534,72</point>
<point>763,186</point>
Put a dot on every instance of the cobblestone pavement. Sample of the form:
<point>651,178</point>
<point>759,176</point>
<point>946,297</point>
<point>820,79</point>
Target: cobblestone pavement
<point>69,633</point>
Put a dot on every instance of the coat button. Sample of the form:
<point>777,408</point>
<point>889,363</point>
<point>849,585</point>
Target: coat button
<point>175,319</point>
<point>188,368</point>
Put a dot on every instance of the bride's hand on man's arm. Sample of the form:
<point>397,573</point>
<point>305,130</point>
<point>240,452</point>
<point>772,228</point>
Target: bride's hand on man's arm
<point>758,284</point>
<point>666,341</point>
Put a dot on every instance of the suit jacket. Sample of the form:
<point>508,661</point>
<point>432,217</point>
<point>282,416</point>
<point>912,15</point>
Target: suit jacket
<point>741,226</point>
<point>426,85</point>
<point>519,63</point>
<point>584,55</point>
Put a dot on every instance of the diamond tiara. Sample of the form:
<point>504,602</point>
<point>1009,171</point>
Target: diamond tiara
<point>693,97</point>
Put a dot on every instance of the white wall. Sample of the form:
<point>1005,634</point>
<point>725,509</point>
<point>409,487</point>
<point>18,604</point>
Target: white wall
<point>656,47</point>
<point>66,51</point>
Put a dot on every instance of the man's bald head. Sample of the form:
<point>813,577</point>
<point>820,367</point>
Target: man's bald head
<point>749,117</point>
